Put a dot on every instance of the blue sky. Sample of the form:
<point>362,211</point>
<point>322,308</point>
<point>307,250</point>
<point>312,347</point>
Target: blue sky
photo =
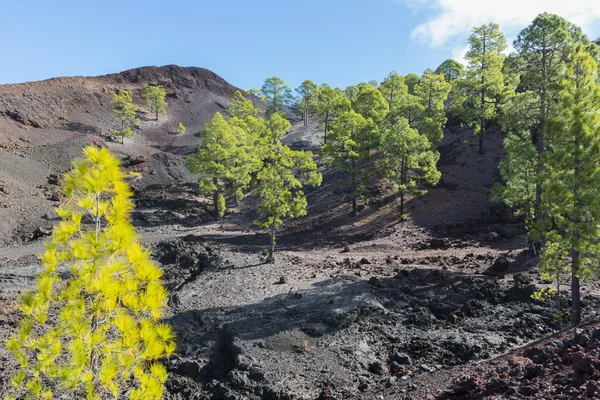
<point>340,42</point>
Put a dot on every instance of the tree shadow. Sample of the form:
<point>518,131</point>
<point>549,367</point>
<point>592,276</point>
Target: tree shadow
<point>183,150</point>
<point>80,127</point>
<point>392,311</point>
<point>158,205</point>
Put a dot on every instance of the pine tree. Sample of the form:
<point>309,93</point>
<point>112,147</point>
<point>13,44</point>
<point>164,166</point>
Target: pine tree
<point>240,107</point>
<point>411,80</point>
<point>394,90</point>
<point>348,150</point>
<point>308,92</point>
<point>124,108</point>
<point>277,94</point>
<point>476,95</point>
<point>409,105</point>
<point>280,181</point>
<point>351,92</point>
<point>542,49</point>
<point>155,97</point>
<point>96,332</point>
<point>181,128</point>
<point>407,159</point>
<point>432,91</point>
<point>370,103</point>
<point>571,178</point>
<point>330,103</point>
<point>450,69</point>
<point>221,163</point>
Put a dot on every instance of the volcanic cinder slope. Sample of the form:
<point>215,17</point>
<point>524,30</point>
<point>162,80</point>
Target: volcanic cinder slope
<point>44,125</point>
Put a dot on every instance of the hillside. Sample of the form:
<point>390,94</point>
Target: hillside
<point>44,125</point>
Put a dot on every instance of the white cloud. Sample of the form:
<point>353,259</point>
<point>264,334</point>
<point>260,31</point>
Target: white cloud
<point>452,19</point>
<point>459,52</point>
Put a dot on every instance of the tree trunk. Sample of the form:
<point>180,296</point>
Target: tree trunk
<point>481,133</point>
<point>403,183</point>
<point>306,112</point>
<point>272,247</point>
<point>482,116</point>
<point>354,208</point>
<point>402,206</point>
<point>216,199</point>
<point>540,143</point>
<point>575,289</point>
<point>326,127</point>
<point>575,284</point>
<point>157,115</point>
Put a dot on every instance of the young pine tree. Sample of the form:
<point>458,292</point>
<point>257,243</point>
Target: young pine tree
<point>394,90</point>
<point>348,150</point>
<point>476,95</point>
<point>240,107</point>
<point>219,161</point>
<point>155,97</point>
<point>411,80</point>
<point>370,103</point>
<point>181,128</point>
<point>280,183</point>
<point>432,91</point>
<point>330,103</point>
<point>126,111</point>
<point>94,332</point>
<point>572,177</point>
<point>407,159</point>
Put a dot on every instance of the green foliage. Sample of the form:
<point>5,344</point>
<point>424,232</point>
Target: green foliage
<point>96,332</point>
<point>277,126</point>
<point>571,186</point>
<point>394,90</point>
<point>477,94</point>
<point>422,106</point>
<point>240,107</point>
<point>431,92</point>
<point>277,94</point>
<point>223,161</point>
<point>126,111</point>
<point>351,92</point>
<point>308,92</point>
<point>518,170</point>
<point>543,294</point>
<point>370,103</point>
<point>155,97</point>
<point>348,150</point>
<point>411,80</point>
<point>407,160</point>
<point>450,69</point>
<point>280,181</point>
<point>536,71</point>
<point>330,103</point>
<point>121,134</point>
<point>181,128</point>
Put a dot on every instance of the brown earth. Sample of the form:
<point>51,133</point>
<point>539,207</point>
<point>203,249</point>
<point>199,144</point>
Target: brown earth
<point>353,307</point>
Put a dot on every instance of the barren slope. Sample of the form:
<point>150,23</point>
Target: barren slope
<point>44,125</point>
